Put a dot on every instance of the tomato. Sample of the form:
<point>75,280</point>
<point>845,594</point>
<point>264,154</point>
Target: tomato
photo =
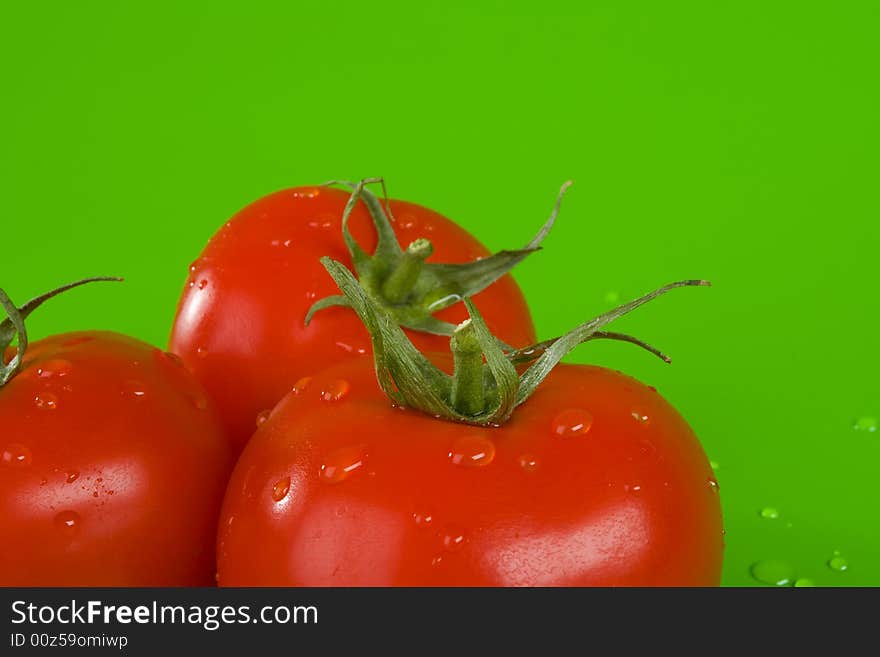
<point>240,326</point>
<point>595,480</point>
<point>114,464</point>
<point>490,468</point>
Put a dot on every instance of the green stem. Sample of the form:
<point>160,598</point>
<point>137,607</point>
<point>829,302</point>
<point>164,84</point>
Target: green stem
<point>400,280</point>
<point>485,388</point>
<point>14,324</point>
<point>10,370</point>
<point>468,394</point>
<point>400,283</point>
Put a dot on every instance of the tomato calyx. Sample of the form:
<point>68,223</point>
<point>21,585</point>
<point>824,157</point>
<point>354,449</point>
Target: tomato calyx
<point>14,324</point>
<point>485,387</point>
<point>402,283</point>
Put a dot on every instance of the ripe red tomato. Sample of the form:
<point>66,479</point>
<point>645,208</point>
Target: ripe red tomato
<point>595,480</point>
<point>240,325</point>
<point>114,463</point>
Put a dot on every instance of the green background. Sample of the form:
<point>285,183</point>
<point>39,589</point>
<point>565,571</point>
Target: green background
<point>731,141</point>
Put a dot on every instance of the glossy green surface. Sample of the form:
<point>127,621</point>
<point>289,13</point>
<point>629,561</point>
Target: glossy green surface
<point>731,141</point>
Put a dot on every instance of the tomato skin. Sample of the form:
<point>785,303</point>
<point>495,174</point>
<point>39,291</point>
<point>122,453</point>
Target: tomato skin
<point>114,466</point>
<point>628,501</point>
<point>240,322</point>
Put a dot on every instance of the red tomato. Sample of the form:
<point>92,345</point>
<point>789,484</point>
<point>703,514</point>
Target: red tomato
<point>240,323</point>
<point>595,480</point>
<point>114,464</point>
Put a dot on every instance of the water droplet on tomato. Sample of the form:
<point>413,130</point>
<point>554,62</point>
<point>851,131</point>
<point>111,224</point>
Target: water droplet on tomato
<point>199,402</point>
<point>769,513</point>
<point>528,462</point>
<point>713,484</point>
<point>46,401</point>
<point>838,563</point>
<point>279,490</point>
<point>323,222</point>
<point>802,582</point>
<point>453,538</point>
<point>639,417</point>
<point>773,572</point>
<point>866,423</point>
<point>203,284</point>
<point>17,455</point>
<point>350,349</point>
<point>341,463</point>
<point>472,451</point>
<point>67,522</point>
<point>136,389</point>
<point>306,193</point>
<point>300,386</point>
<point>72,476</point>
<point>423,518</point>
<point>262,416</point>
<point>572,423</point>
<point>54,368</point>
<point>335,390</point>
<point>201,352</point>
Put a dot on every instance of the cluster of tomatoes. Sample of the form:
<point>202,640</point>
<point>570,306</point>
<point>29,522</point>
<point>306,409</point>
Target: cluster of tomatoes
<point>262,449</point>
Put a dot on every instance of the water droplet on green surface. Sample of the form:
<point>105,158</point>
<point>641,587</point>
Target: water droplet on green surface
<point>803,582</point>
<point>773,572</point>
<point>838,562</point>
<point>769,513</point>
<point>866,423</point>
<point>714,465</point>
<point>612,297</point>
